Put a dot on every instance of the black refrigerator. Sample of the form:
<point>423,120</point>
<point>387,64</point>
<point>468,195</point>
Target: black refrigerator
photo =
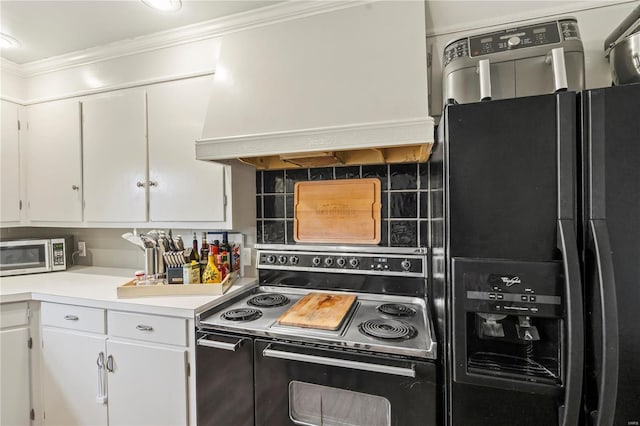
<point>535,335</point>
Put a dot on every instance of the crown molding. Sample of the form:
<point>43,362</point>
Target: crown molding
<point>11,67</point>
<point>187,34</point>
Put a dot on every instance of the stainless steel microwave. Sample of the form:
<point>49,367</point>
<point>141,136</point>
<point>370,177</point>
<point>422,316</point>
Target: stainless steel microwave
<point>31,256</point>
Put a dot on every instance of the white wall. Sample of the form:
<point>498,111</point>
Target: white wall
<point>451,20</point>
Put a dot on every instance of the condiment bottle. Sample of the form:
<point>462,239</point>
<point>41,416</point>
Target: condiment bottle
<point>194,245</point>
<point>222,267</point>
<point>211,274</point>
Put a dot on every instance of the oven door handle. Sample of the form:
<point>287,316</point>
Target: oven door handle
<point>335,362</point>
<point>220,345</point>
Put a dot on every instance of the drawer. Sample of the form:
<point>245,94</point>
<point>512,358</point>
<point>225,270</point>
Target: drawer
<point>14,314</point>
<point>74,317</point>
<point>152,328</point>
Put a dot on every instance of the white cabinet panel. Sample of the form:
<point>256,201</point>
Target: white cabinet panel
<point>115,157</point>
<point>185,189</point>
<point>14,363</point>
<point>70,378</point>
<point>10,164</point>
<point>53,158</point>
<point>148,385</point>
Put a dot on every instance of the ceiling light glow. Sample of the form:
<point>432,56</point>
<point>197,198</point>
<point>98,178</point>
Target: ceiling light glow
<point>8,42</point>
<point>164,5</point>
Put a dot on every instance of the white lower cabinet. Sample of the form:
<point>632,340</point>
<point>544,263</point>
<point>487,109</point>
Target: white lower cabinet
<point>135,374</point>
<point>148,384</point>
<point>70,377</point>
<point>15,396</point>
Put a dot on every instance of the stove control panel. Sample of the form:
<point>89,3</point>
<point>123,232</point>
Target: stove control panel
<point>363,263</point>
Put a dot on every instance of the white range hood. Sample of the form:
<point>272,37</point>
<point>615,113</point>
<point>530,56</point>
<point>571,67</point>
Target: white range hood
<point>345,86</point>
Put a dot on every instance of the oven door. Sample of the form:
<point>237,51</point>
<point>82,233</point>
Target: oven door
<point>302,385</point>
<point>224,379</point>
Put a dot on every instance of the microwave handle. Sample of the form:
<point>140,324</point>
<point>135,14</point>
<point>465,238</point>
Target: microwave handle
<point>559,67</point>
<point>484,74</point>
<point>48,254</point>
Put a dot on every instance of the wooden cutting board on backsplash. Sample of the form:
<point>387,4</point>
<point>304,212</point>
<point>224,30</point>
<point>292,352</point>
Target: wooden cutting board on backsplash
<point>343,211</point>
<point>323,311</point>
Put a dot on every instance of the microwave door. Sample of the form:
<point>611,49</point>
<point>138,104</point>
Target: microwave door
<point>20,257</point>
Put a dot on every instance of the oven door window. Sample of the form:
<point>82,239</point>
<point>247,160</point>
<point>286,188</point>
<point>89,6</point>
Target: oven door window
<point>315,405</point>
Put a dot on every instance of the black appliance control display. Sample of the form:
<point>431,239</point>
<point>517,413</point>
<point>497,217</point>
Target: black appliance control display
<point>515,38</point>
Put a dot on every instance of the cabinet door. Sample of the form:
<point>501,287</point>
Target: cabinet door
<point>14,363</point>
<point>9,164</point>
<point>53,158</point>
<point>115,158</point>
<point>148,385</point>
<point>70,378</point>
<point>183,188</point>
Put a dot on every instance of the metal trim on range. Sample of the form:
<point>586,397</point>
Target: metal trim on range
<point>219,345</point>
<point>376,368</point>
<point>359,250</point>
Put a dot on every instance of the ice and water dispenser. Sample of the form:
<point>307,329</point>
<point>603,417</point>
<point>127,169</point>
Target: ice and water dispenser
<point>507,321</point>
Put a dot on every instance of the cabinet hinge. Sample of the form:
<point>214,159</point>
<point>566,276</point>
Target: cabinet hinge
<point>224,200</point>
<point>429,60</point>
<point>32,414</point>
<point>30,343</point>
<point>188,369</point>
<point>18,124</point>
<point>29,311</point>
<point>20,205</point>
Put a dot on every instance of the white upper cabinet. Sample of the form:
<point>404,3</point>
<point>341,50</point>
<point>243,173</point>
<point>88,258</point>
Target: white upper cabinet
<point>181,187</point>
<point>53,159</point>
<point>115,157</point>
<point>9,164</point>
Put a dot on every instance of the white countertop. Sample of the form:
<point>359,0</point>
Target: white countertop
<point>96,287</point>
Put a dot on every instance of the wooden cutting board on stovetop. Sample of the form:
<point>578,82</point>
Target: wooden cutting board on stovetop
<point>323,311</point>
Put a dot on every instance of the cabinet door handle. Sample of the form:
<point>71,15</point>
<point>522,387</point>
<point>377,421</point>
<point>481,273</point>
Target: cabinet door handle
<point>153,183</point>
<point>144,327</point>
<point>140,184</point>
<point>109,365</point>
<point>71,318</point>
<point>75,187</point>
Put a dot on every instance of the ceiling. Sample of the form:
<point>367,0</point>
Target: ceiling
<point>51,28</point>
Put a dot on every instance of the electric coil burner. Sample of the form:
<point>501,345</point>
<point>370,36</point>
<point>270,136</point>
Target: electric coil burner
<point>241,314</point>
<point>387,329</point>
<point>397,310</point>
<point>268,300</point>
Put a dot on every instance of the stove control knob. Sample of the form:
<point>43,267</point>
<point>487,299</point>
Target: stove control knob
<point>282,260</point>
<point>294,260</point>
<point>328,261</point>
<point>354,262</point>
<point>341,262</point>
<point>316,261</point>
<point>514,41</point>
<point>271,259</point>
<point>406,265</point>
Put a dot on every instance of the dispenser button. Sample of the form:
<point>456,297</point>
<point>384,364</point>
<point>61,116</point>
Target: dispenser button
<point>532,298</point>
<point>524,298</point>
<point>492,295</point>
<point>534,310</point>
<point>500,296</point>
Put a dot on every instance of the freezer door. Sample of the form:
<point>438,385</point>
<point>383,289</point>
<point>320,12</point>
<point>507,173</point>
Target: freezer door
<point>611,254</point>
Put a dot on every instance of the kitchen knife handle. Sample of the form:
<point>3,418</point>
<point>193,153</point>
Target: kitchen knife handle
<point>337,362</point>
<point>559,68</point>
<point>570,410</point>
<point>605,284</point>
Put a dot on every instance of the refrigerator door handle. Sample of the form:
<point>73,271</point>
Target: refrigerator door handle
<point>605,285</point>
<point>569,412</point>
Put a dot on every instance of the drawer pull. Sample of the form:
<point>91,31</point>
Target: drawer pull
<point>71,318</point>
<point>144,328</point>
